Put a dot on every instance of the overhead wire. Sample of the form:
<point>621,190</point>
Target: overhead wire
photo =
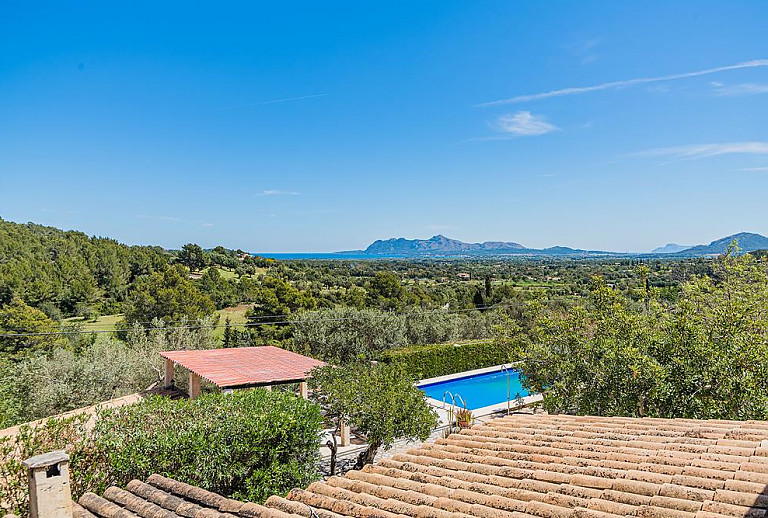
<point>244,325</point>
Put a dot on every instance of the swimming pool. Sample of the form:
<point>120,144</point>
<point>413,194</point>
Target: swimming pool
<point>478,390</point>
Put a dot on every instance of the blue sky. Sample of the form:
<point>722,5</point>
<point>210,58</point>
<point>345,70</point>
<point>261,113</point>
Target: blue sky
<point>290,126</point>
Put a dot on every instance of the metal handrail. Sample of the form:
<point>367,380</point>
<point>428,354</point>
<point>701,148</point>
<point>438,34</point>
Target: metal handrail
<point>505,368</point>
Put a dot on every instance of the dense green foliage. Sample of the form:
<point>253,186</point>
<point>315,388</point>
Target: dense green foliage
<point>379,401</point>
<point>429,361</point>
<point>68,272</point>
<point>168,295</point>
<point>643,313</point>
<point>702,357</point>
<point>18,318</point>
<point>49,383</point>
<point>248,445</point>
<point>348,334</point>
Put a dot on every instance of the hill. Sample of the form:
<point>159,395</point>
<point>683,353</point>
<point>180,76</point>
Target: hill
<point>746,241</point>
<point>441,246</point>
<point>67,272</point>
<point>438,243</point>
<point>670,248</point>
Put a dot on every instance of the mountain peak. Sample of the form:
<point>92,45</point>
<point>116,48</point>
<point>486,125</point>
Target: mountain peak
<point>438,244</point>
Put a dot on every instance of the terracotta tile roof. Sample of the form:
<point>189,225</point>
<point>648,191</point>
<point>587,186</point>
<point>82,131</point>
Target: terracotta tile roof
<point>245,366</point>
<point>523,466</point>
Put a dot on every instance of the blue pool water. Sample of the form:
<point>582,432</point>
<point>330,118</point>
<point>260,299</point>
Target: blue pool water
<point>479,390</point>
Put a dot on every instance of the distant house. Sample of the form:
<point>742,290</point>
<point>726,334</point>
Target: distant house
<point>464,276</point>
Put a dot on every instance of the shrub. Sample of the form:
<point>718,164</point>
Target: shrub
<point>54,434</point>
<point>48,383</point>
<point>427,361</point>
<point>249,445</point>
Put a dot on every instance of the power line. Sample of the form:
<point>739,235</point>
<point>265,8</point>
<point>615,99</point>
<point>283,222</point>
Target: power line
<point>246,325</point>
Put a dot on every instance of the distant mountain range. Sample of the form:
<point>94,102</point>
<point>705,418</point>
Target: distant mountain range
<point>670,248</point>
<point>441,246</point>
<point>746,241</point>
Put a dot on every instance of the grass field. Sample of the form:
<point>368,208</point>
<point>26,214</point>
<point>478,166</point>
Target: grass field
<point>103,323</point>
<point>236,315</point>
<point>230,274</point>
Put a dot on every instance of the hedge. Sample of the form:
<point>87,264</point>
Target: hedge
<point>428,361</point>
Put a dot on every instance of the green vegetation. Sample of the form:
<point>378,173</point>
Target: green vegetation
<point>16,315</point>
<point>347,311</point>
<point>48,383</point>
<point>380,401</point>
<point>701,357</point>
<point>248,445</point>
<point>429,361</point>
<point>169,296</point>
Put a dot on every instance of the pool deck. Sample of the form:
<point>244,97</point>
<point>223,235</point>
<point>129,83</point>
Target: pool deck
<point>514,404</point>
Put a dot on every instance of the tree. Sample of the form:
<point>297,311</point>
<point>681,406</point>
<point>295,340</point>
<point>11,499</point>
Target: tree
<point>222,292</point>
<point>346,335</point>
<point>276,297</point>
<point>379,401</point>
<point>701,358</point>
<point>193,257</point>
<point>169,296</point>
<point>33,327</point>
<point>385,291</point>
<point>228,338</point>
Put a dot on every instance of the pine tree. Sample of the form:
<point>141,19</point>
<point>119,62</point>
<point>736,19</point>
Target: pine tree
<point>228,342</point>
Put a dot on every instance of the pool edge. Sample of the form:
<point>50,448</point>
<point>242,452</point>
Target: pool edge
<point>465,374</point>
<point>483,410</point>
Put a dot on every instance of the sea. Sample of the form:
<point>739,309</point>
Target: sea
<point>325,256</point>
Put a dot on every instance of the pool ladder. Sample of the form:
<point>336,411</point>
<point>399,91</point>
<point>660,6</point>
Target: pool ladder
<point>507,368</point>
<point>452,409</point>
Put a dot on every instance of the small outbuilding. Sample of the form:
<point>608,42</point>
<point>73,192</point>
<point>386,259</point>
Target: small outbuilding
<point>241,367</point>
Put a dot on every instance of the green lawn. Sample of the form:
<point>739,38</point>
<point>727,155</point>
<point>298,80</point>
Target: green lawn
<point>230,274</point>
<point>236,315</point>
<point>103,323</point>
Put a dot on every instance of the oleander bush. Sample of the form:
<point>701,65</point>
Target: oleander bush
<point>247,445</point>
<point>69,434</point>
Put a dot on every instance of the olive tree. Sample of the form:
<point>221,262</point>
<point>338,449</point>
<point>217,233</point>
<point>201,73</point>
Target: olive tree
<point>379,401</point>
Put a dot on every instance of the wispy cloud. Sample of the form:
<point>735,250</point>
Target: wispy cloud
<point>276,192</point>
<point>739,89</point>
<point>524,124</point>
<point>275,101</point>
<point>206,224</point>
<point>698,151</point>
<point>585,50</point>
<point>158,218</point>
<point>754,169</point>
<point>622,84</point>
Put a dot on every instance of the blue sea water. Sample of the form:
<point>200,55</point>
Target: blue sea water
<point>479,390</point>
<point>320,256</point>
